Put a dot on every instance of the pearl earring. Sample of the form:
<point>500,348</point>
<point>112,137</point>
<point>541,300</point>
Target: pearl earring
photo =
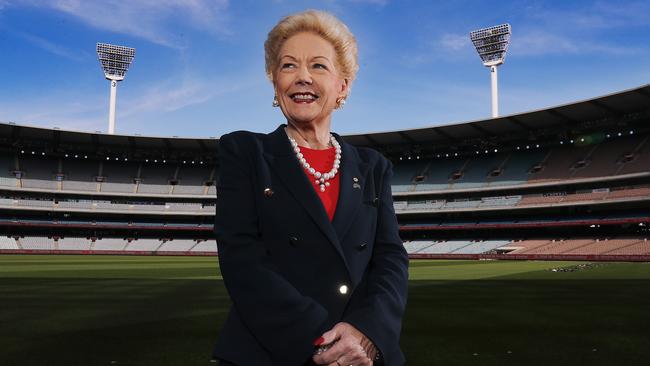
<point>275,102</point>
<point>340,103</point>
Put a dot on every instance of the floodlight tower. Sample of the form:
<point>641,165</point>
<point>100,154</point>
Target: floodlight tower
<point>491,44</point>
<point>115,62</point>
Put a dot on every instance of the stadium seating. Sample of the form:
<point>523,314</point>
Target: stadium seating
<point>74,243</point>
<point>641,156</point>
<point>404,173</point>
<point>438,174</point>
<point>598,246</point>
<point>154,188</point>
<point>629,193</point>
<point>79,174</point>
<point>72,185</point>
<point>515,170</point>
<point>143,245</point>
<point>570,161</point>
<point>461,204</point>
<point>205,246</point>
<point>481,246</point>
<point>445,247</point>
<point>416,246</point>
<point>37,168</point>
<point>109,244</point>
<point>500,201</point>
<point>9,243</point>
<point>177,245</point>
<point>606,159</point>
<point>36,243</point>
<point>475,172</point>
<point>631,247</point>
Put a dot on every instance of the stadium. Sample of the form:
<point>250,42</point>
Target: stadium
<point>527,233</point>
<point>565,183</point>
<point>102,234</point>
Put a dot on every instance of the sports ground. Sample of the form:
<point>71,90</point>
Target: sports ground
<point>128,310</point>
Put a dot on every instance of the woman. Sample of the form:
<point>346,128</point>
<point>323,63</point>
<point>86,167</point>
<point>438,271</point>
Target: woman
<point>307,235</point>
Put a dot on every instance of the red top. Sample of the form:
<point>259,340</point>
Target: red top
<point>322,161</point>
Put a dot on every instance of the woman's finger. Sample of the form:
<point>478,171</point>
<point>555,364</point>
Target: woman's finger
<point>356,356</point>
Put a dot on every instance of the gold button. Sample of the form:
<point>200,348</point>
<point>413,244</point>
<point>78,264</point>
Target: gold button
<point>343,289</point>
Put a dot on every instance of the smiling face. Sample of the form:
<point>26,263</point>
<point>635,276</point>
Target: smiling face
<point>306,80</point>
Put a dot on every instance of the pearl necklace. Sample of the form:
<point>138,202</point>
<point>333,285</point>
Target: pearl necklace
<point>321,178</point>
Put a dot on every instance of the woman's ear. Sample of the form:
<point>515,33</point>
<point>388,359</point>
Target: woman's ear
<point>345,88</point>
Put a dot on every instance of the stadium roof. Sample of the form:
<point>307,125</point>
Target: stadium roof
<point>560,118</point>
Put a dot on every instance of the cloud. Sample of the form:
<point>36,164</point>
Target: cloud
<point>158,21</point>
<point>447,46</point>
<point>168,97</point>
<point>371,2</point>
<point>532,42</point>
<point>88,114</point>
<point>454,42</point>
<point>52,47</point>
<point>546,31</point>
<point>538,42</point>
<point>599,15</point>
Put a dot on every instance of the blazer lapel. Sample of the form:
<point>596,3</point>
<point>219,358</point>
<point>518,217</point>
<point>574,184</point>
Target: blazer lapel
<point>282,159</point>
<point>353,173</point>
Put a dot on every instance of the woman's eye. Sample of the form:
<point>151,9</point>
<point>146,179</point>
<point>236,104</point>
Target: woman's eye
<point>288,66</point>
<point>320,66</point>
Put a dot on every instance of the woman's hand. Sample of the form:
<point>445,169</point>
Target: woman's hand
<point>351,348</point>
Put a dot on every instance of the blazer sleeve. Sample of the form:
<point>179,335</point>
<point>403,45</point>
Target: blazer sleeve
<point>283,320</point>
<point>379,315</point>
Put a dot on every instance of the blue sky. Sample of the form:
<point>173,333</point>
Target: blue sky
<point>199,65</point>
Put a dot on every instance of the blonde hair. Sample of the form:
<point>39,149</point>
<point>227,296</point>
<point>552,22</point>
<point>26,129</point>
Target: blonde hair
<point>323,24</point>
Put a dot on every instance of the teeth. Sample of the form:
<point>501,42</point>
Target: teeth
<point>304,97</point>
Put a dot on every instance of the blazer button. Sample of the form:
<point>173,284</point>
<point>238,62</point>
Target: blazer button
<point>343,289</point>
<point>293,241</point>
<point>362,246</point>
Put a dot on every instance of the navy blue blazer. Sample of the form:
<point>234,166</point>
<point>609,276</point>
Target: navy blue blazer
<point>287,267</point>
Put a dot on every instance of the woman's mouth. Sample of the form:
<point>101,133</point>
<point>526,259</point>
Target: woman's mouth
<point>303,97</point>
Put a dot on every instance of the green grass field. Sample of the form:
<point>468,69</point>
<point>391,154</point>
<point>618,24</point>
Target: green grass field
<point>124,310</point>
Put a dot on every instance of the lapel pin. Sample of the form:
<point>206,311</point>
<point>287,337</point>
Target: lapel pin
<point>268,192</point>
<point>355,180</point>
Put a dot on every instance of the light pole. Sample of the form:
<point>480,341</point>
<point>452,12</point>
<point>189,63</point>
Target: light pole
<point>115,61</point>
<point>491,45</point>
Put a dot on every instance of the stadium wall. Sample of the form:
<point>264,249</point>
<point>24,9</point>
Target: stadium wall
<point>520,257</point>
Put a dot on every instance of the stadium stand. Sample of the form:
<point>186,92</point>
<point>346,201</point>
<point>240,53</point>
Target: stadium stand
<point>36,243</point>
<point>405,174</point>
<point>109,244</point>
<point>516,168</point>
<point>9,243</point>
<point>72,243</point>
<point>569,180</point>
<point>177,245</point>
<point>205,246</point>
<point>143,245</point>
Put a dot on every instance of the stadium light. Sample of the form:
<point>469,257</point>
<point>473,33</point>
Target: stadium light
<point>115,61</point>
<point>491,44</point>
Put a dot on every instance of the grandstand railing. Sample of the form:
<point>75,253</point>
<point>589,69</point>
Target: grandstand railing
<point>401,207</point>
<point>209,192</point>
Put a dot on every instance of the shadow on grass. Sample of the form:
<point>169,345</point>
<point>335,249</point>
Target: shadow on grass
<point>175,322</point>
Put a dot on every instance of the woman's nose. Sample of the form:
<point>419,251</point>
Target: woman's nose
<point>304,76</point>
